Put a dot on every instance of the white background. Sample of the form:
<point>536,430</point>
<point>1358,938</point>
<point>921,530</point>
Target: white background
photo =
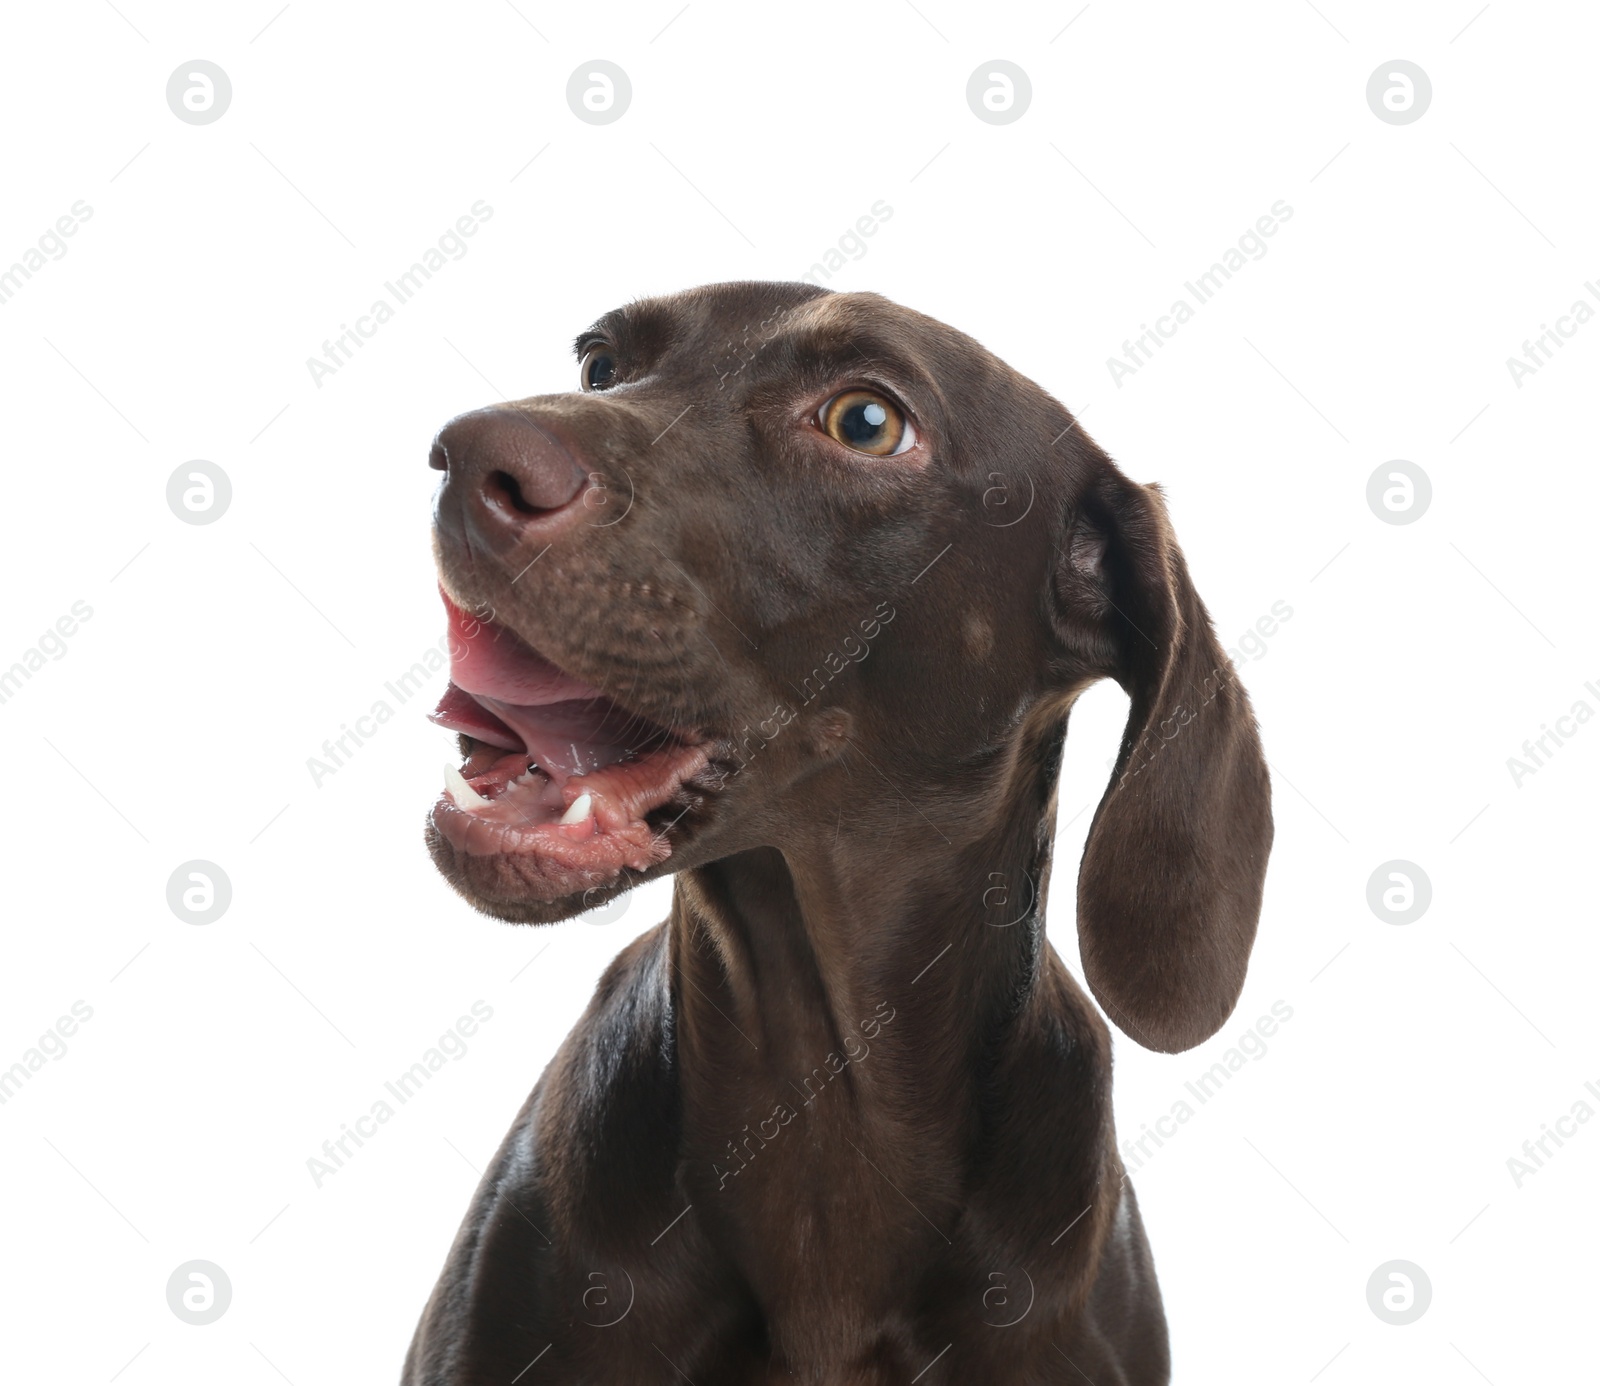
<point>177,725</point>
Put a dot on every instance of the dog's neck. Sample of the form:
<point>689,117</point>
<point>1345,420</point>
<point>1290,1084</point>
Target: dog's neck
<point>890,960</point>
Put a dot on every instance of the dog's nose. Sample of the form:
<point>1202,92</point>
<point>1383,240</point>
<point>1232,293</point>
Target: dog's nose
<point>507,475</point>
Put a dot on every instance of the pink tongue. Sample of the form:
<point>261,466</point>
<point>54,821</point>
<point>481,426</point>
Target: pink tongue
<point>489,661</point>
<point>561,721</point>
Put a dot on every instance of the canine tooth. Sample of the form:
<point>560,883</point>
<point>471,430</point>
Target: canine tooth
<point>456,786</point>
<point>579,810</point>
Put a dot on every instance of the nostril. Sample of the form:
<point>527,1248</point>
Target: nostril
<point>508,470</point>
<point>503,487</point>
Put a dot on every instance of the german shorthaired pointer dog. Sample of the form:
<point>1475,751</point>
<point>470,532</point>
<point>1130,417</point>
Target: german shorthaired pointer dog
<point>793,599</point>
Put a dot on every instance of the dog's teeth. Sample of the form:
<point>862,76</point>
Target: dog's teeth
<point>456,786</point>
<point>579,810</point>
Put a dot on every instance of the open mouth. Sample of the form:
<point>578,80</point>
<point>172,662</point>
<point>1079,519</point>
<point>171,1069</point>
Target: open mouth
<point>558,777</point>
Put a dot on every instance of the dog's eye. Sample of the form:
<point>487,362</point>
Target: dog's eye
<point>865,421</point>
<point>599,369</point>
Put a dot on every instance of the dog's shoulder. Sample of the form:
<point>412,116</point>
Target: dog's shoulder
<point>618,1067</point>
<point>539,1250</point>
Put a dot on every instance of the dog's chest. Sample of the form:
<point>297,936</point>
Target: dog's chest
<point>809,1204</point>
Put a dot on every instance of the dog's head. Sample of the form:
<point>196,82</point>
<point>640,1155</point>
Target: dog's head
<point>793,565</point>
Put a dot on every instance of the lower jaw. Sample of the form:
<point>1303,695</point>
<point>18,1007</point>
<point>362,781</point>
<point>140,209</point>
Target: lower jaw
<point>501,858</point>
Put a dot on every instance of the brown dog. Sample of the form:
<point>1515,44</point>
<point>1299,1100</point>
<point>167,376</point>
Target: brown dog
<point>793,599</point>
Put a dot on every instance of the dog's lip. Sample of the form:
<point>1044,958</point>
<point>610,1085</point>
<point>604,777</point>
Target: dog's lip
<point>552,859</point>
<point>560,778</point>
<point>505,692</point>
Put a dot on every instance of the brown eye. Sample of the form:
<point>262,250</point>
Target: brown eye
<point>599,368</point>
<point>865,421</point>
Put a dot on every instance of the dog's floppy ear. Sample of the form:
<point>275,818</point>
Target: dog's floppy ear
<point>1170,886</point>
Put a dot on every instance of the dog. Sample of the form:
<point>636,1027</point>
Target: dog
<point>792,599</point>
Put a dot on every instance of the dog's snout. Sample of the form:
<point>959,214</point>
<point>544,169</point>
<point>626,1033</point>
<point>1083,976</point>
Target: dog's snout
<point>508,475</point>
